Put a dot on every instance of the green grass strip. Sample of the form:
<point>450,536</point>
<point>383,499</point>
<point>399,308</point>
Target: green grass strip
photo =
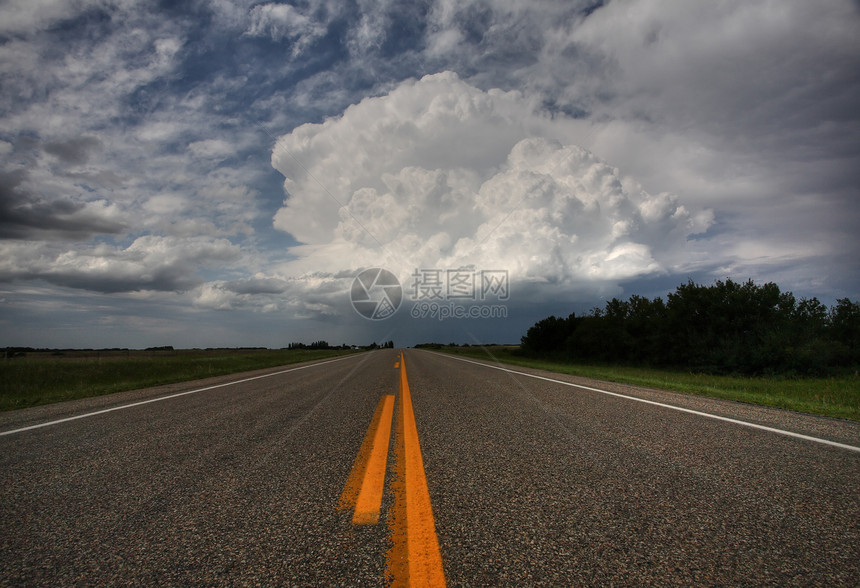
<point>42,379</point>
<point>833,396</point>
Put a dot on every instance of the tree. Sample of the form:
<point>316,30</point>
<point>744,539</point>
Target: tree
<point>548,336</point>
<point>725,327</point>
<point>845,330</point>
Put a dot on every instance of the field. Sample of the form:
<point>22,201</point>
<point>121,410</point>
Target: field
<point>44,377</point>
<point>835,397</point>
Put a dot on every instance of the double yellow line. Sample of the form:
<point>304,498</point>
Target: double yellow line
<point>414,558</point>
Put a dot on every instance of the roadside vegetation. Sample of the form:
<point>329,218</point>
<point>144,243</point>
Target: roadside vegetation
<point>727,328</point>
<point>738,341</point>
<point>834,396</point>
<point>31,377</point>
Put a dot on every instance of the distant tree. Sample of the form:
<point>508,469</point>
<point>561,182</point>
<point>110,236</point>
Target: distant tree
<point>725,327</point>
<point>799,337</point>
<point>721,326</point>
<point>645,327</point>
<point>844,330</point>
<point>548,336</point>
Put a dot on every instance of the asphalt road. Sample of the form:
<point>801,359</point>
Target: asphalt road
<point>532,482</point>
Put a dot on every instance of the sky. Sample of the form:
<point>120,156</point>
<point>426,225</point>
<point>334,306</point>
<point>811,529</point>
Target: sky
<point>216,173</point>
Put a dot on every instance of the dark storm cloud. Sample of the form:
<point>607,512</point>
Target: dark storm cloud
<point>73,151</point>
<point>24,215</point>
<point>166,279</point>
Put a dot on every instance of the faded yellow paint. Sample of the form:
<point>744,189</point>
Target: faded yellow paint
<point>369,498</point>
<point>351,489</point>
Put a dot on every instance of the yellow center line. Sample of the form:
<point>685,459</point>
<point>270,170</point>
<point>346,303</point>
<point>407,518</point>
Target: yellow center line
<point>352,488</point>
<point>415,558</point>
<point>369,499</point>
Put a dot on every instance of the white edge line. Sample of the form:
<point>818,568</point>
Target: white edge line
<point>160,398</point>
<point>678,408</point>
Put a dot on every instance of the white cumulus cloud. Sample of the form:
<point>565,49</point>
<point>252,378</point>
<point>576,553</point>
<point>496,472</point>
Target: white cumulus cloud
<point>440,174</point>
<point>283,21</point>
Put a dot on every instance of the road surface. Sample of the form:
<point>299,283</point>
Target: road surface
<point>529,481</point>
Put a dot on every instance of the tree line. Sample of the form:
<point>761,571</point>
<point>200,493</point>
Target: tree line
<point>321,344</point>
<point>727,327</point>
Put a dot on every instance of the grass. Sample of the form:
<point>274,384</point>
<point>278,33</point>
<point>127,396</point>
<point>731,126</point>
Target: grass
<point>43,378</point>
<point>833,396</point>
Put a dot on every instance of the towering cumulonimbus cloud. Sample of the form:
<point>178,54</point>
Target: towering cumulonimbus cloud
<point>441,174</point>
